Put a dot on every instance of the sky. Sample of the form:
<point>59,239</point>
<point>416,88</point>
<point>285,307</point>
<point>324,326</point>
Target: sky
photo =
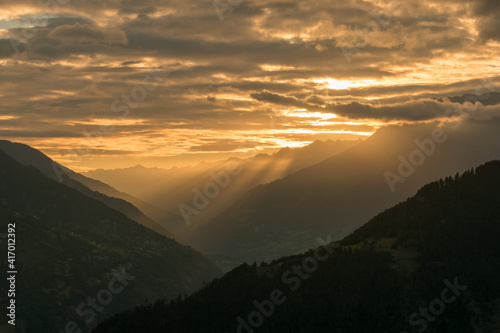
<point>108,84</point>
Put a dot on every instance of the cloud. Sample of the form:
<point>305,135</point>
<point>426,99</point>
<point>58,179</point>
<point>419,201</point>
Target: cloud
<point>222,145</point>
<point>419,110</point>
<point>488,18</point>
<point>56,21</point>
<point>82,33</point>
<point>233,78</point>
<point>490,98</point>
<point>9,47</point>
<point>136,10</point>
<point>37,134</point>
<point>279,99</point>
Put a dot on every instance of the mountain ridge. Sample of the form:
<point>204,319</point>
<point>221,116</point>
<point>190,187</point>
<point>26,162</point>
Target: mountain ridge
<point>323,198</point>
<point>69,245</point>
<point>173,188</point>
<point>387,276</point>
<point>27,155</point>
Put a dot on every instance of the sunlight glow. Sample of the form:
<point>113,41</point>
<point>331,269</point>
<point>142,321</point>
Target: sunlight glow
<point>343,84</point>
<point>307,131</point>
<point>8,117</point>
<point>274,68</point>
<point>312,115</point>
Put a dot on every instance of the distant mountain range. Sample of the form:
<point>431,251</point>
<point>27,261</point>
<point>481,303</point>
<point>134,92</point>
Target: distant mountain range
<point>337,195</point>
<point>79,260</point>
<point>428,264</point>
<point>177,186</point>
<point>264,213</point>
<point>77,234</point>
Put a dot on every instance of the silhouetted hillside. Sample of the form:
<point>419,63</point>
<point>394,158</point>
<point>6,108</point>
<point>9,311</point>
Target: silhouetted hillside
<point>337,195</point>
<point>70,247</point>
<point>90,187</point>
<point>431,263</point>
<point>173,187</point>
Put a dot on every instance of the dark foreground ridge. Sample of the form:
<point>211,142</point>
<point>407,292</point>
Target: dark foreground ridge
<point>431,263</point>
<point>79,261</point>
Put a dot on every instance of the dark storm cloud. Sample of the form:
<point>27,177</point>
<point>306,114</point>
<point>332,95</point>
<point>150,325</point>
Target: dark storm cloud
<point>414,111</point>
<point>136,10</point>
<point>486,7</point>
<point>86,33</point>
<point>488,12</point>
<point>315,100</point>
<point>486,99</point>
<point>53,22</point>
<point>9,46</point>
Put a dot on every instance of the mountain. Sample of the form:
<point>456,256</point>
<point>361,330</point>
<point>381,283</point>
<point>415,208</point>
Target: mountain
<point>122,202</point>
<point>430,264</point>
<point>176,189</point>
<point>78,260</point>
<point>150,216</point>
<point>338,194</point>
